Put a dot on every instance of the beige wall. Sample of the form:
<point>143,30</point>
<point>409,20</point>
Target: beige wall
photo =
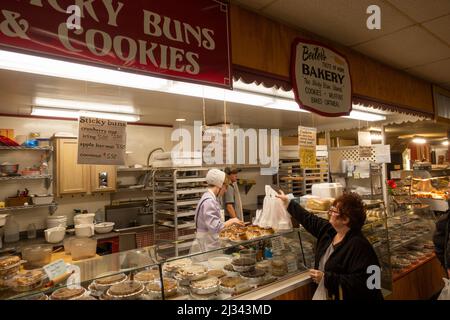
<point>140,140</point>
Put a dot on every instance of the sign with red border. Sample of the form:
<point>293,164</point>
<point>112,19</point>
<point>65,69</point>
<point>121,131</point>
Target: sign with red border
<point>321,79</point>
<point>186,40</point>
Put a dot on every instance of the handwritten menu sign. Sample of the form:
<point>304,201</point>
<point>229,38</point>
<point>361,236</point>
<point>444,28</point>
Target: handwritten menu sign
<point>101,141</point>
<point>307,146</point>
<point>321,79</point>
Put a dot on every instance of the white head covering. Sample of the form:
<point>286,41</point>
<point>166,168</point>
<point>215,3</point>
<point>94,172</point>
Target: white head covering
<point>215,177</point>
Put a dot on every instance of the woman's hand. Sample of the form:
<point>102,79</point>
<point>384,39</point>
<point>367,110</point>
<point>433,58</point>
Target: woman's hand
<point>232,221</point>
<point>283,198</point>
<point>316,275</point>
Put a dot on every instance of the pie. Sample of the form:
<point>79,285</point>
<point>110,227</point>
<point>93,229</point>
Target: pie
<point>170,287</point>
<point>217,273</point>
<point>111,279</point>
<point>175,265</point>
<point>146,275</point>
<point>243,262</point>
<point>126,288</point>
<point>8,261</point>
<point>192,271</point>
<point>68,293</point>
<point>230,282</point>
<point>205,283</point>
<point>229,267</point>
<point>257,273</point>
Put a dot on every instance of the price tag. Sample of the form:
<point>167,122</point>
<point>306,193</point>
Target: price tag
<point>292,266</point>
<point>55,269</point>
<point>277,244</point>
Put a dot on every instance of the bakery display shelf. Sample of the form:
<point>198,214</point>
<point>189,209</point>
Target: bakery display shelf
<point>406,242</point>
<point>21,148</point>
<point>34,177</point>
<point>412,267</point>
<point>27,207</point>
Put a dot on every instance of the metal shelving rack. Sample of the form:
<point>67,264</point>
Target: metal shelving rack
<point>290,177</point>
<point>176,193</point>
<point>47,177</point>
<point>293,179</point>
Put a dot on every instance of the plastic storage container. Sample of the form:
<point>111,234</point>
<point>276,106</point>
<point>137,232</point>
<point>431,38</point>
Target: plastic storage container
<point>83,248</point>
<point>37,256</point>
<point>327,190</point>
<point>11,230</point>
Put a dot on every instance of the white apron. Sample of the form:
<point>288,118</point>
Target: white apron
<point>204,241</point>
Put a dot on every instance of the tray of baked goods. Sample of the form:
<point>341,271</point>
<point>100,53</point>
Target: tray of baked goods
<point>237,233</point>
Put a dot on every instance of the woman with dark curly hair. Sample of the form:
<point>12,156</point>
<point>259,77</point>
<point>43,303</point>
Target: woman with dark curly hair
<point>343,255</point>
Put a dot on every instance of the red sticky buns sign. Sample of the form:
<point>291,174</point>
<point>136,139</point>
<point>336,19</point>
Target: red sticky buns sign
<point>184,40</point>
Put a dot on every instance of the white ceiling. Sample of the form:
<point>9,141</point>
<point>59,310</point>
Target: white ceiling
<point>414,35</point>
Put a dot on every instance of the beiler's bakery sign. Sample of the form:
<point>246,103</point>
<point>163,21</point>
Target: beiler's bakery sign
<point>321,79</point>
<point>186,40</point>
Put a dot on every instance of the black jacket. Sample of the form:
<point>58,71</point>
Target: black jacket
<point>346,269</point>
<point>441,240</point>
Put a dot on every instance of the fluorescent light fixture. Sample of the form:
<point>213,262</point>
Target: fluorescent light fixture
<point>365,116</point>
<point>245,94</point>
<point>445,143</point>
<point>180,120</point>
<point>419,140</point>
<point>62,69</point>
<point>67,113</point>
<point>82,105</point>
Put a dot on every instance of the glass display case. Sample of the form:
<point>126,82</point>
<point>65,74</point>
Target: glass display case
<point>236,269</point>
<point>410,238</point>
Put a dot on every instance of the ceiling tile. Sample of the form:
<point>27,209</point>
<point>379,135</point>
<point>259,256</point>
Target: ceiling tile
<point>343,21</point>
<point>406,48</point>
<point>440,27</point>
<point>254,4</point>
<point>437,72</point>
<point>421,10</point>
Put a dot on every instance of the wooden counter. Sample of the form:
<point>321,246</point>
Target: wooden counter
<point>421,283</point>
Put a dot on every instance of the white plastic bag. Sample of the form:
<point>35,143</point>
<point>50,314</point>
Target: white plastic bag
<point>445,293</point>
<point>274,214</point>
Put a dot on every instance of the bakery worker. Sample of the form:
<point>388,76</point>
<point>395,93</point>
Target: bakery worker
<point>208,222</point>
<point>232,198</point>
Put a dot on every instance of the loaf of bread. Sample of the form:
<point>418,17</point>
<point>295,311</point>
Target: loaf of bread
<point>318,204</point>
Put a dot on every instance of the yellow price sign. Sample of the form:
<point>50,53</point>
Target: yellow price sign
<point>308,157</point>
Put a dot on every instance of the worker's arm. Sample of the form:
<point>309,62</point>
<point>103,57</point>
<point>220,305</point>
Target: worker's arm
<point>231,211</point>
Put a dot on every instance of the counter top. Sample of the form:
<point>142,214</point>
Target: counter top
<point>16,247</point>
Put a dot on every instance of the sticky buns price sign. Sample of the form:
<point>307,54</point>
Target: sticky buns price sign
<point>321,79</point>
<point>185,40</point>
<point>101,141</point>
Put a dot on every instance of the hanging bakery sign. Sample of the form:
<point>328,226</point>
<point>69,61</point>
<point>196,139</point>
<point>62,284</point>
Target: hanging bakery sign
<point>101,141</point>
<point>181,40</point>
<point>321,79</point>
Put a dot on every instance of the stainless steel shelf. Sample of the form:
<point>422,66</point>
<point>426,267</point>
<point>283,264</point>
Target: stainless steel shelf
<point>27,207</point>
<point>43,176</point>
<point>26,148</point>
<point>134,169</point>
<point>180,214</point>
